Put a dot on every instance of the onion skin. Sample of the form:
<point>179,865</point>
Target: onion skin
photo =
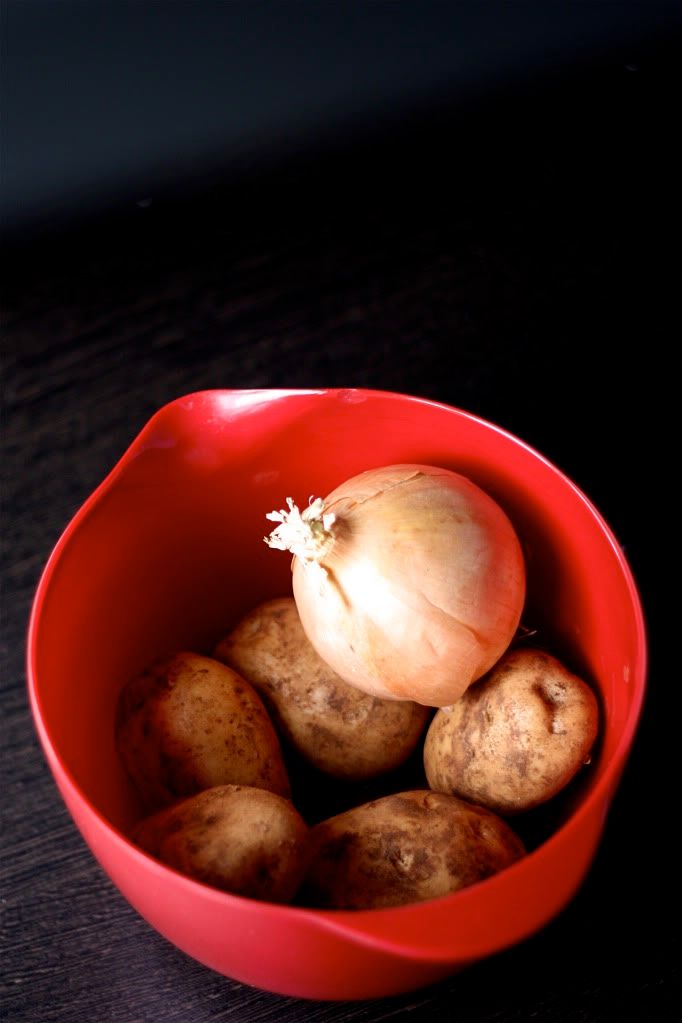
<point>422,584</point>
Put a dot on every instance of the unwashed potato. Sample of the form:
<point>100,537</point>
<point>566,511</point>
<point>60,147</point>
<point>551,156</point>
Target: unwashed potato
<point>404,848</point>
<point>243,840</point>
<point>189,723</point>
<point>339,729</point>
<point>515,738</point>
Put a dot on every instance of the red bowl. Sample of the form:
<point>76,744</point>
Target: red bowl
<point>168,553</point>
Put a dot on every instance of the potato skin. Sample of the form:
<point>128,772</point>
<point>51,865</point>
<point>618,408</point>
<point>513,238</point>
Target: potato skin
<point>337,728</point>
<point>189,723</point>
<point>404,848</point>
<point>243,840</point>
<point>515,738</point>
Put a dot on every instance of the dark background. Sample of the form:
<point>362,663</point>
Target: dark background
<point>488,218</point>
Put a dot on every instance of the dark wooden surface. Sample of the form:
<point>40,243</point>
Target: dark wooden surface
<point>516,259</point>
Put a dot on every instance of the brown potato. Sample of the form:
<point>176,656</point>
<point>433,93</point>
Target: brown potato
<point>339,729</point>
<point>243,840</point>
<point>189,723</point>
<point>404,848</point>
<point>515,738</point>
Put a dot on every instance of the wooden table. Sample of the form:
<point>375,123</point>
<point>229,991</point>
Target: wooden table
<point>514,259</point>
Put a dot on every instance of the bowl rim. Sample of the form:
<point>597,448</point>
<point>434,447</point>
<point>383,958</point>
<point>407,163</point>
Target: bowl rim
<point>378,929</point>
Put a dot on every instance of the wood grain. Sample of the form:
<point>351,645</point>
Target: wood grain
<point>522,272</point>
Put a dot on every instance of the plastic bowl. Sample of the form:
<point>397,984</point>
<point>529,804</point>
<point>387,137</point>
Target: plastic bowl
<point>168,553</point>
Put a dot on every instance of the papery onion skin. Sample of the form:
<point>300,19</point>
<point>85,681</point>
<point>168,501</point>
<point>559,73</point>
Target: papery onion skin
<point>420,587</point>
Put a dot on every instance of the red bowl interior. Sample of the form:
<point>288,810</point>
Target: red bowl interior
<point>168,553</point>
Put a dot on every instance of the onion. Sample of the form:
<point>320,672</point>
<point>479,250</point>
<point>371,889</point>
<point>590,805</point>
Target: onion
<point>409,580</point>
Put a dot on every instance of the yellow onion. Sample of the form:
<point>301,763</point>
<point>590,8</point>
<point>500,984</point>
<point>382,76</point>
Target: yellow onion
<point>409,580</point>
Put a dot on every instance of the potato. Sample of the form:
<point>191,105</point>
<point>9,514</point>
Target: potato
<point>515,738</point>
<point>337,728</point>
<point>244,840</point>
<point>404,848</point>
<point>189,723</point>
